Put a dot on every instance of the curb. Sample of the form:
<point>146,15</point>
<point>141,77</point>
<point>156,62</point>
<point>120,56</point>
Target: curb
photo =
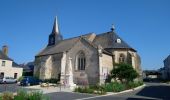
<point>139,87</point>
<point>111,93</point>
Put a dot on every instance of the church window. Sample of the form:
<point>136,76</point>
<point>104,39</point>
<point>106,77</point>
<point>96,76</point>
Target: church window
<point>121,58</point>
<point>81,61</point>
<point>51,40</point>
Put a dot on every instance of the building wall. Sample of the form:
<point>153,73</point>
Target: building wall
<point>166,71</point>
<point>47,67</point>
<point>91,73</point>
<point>8,70</point>
<point>131,57</point>
<point>105,65</point>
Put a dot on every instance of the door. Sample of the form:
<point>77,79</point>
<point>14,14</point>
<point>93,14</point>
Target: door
<point>2,74</point>
<point>15,75</point>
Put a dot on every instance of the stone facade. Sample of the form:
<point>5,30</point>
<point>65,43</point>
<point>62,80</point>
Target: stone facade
<point>90,56</point>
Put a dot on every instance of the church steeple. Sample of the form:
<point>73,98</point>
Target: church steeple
<point>55,26</point>
<point>55,35</point>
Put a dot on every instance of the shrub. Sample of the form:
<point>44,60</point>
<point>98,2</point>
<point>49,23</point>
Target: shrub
<point>131,84</point>
<point>125,72</point>
<point>23,95</point>
<point>37,96</point>
<point>91,89</point>
<point>114,87</point>
<point>52,80</point>
<point>7,96</point>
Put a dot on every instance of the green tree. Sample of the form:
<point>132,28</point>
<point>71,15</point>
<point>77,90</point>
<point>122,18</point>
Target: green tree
<point>124,72</point>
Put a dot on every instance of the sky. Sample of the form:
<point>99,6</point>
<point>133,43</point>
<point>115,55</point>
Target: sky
<point>143,24</point>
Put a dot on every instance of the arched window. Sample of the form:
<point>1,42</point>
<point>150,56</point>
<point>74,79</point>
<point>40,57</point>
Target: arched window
<point>81,61</point>
<point>121,58</point>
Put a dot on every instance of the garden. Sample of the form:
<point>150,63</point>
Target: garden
<point>121,78</point>
<point>24,95</point>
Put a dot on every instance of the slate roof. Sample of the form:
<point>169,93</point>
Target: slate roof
<point>62,46</point>
<point>106,40</point>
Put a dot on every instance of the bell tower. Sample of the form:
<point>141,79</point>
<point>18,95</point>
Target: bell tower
<point>55,35</point>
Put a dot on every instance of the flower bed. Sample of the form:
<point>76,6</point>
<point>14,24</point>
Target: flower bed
<point>109,87</point>
<point>23,95</point>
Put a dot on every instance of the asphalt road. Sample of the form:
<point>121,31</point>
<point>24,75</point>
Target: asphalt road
<point>12,88</point>
<point>152,91</point>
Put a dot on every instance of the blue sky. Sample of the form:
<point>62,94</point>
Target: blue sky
<point>143,24</point>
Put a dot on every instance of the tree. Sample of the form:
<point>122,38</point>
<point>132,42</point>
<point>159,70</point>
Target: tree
<point>124,72</point>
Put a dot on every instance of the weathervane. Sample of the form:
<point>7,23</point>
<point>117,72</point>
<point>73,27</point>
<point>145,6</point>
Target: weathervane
<point>113,28</point>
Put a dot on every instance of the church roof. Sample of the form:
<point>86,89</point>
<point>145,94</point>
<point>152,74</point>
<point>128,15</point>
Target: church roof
<point>62,46</point>
<point>106,40</point>
<point>4,57</point>
<point>111,40</point>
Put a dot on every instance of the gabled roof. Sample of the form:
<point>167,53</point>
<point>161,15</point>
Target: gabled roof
<point>109,40</point>
<point>62,46</point>
<point>4,57</point>
<point>14,64</point>
<point>105,40</point>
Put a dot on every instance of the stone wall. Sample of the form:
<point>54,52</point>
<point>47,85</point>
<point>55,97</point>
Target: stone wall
<point>106,65</point>
<point>47,67</point>
<point>90,74</point>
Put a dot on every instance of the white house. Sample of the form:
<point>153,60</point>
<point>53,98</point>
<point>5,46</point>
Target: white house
<point>8,68</point>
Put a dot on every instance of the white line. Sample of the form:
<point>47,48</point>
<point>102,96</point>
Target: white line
<point>95,96</point>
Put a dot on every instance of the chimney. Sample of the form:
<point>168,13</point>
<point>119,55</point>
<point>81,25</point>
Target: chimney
<point>5,49</point>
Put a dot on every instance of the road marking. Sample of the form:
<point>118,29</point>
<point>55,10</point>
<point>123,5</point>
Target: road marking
<point>96,96</point>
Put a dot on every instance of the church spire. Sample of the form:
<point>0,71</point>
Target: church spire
<point>55,35</point>
<point>55,26</point>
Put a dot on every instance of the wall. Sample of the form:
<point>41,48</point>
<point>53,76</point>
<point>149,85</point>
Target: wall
<point>9,70</point>
<point>90,74</point>
<point>106,65</point>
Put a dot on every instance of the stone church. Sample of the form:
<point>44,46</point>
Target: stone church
<point>85,59</point>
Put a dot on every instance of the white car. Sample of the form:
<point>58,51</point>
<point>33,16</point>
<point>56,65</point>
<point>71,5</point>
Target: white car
<point>8,80</point>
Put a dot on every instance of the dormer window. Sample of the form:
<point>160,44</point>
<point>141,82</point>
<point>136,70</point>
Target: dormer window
<point>3,63</point>
<point>118,41</point>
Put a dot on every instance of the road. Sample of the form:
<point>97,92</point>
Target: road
<point>152,91</point>
<point>12,88</point>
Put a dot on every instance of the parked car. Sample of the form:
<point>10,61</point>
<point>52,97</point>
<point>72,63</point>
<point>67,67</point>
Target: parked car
<point>29,80</point>
<point>8,80</point>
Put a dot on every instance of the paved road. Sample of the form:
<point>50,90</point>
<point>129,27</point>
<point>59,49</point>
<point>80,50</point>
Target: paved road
<point>12,88</point>
<point>152,91</point>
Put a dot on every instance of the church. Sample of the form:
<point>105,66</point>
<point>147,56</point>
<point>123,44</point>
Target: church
<point>85,59</point>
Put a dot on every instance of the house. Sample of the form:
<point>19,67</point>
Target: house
<point>8,67</point>
<point>85,59</point>
<point>166,69</point>
<point>28,68</point>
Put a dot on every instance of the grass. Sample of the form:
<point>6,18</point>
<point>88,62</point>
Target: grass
<point>23,95</point>
<point>109,87</point>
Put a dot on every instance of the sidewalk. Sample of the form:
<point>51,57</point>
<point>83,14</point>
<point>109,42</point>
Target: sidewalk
<point>49,89</point>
